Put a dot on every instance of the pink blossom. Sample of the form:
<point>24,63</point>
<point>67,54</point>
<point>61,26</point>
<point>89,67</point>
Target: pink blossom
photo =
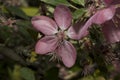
<point>109,19</point>
<point>56,35</point>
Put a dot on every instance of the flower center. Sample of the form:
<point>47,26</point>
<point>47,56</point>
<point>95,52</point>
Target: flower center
<point>61,37</point>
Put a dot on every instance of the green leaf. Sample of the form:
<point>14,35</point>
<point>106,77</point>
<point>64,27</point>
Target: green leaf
<point>117,77</point>
<point>30,11</point>
<point>80,2</point>
<point>17,12</point>
<point>5,32</point>
<point>87,78</point>
<point>52,74</point>
<point>11,54</point>
<point>27,74</point>
<point>23,29</point>
<point>78,13</point>
<point>57,2</point>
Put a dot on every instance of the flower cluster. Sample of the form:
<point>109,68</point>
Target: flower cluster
<point>58,31</point>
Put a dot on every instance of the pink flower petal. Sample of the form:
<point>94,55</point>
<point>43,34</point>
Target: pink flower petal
<point>67,53</point>
<point>108,2</point>
<point>99,17</point>
<point>46,44</point>
<point>104,15</point>
<point>63,16</point>
<point>111,2</point>
<point>84,29</point>
<point>116,2</point>
<point>74,31</point>
<point>44,24</point>
<point>111,32</point>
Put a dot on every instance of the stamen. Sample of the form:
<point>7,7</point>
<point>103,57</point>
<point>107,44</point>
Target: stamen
<point>115,22</point>
<point>54,57</point>
<point>2,19</point>
<point>117,6</point>
<point>118,16</point>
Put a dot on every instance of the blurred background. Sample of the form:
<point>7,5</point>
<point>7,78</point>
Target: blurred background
<point>96,60</point>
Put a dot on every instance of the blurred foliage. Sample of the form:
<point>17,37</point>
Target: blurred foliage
<point>57,2</point>
<point>78,13</point>
<point>18,61</point>
<point>27,74</point>
<point>17,12</point>
<point>80,2</point>
<point>30,11</point>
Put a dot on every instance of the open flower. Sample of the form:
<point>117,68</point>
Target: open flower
<point>109,19</point>
<point>56,34</point>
